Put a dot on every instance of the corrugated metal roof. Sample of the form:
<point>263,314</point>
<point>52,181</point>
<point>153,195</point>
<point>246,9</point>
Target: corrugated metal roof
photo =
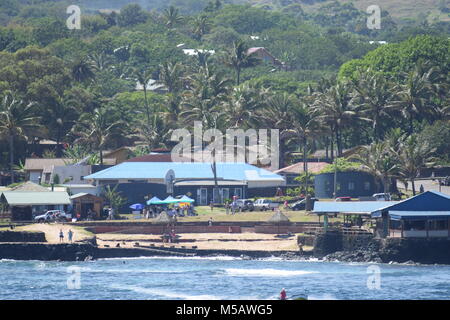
<point>419,215</point>
<point>185,170</point>
<point>427,201</point>
<point>36,198</point>
<point>321,207</point>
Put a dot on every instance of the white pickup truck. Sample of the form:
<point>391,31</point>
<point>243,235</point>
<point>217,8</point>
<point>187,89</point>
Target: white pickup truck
<point>265,204</point>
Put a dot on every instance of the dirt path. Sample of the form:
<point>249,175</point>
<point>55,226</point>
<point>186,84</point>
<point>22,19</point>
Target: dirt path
<point>52,231</point>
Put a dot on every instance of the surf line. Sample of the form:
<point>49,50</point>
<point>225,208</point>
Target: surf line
<point>186,310</point>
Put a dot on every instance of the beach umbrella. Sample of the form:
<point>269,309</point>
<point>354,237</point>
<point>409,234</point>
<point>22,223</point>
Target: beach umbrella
<point>154,200</point>
<point>279,218</point>
<point>137,206</point>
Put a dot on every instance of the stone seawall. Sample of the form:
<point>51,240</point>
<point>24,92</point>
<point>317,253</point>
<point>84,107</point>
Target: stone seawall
<point>47,252</point>
<point>365,248</point>
<point>22,236</point>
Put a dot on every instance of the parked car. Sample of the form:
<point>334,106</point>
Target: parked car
<point>382,196</point>
<point>343,199</point>
<point>245,204</point>
<point>301,205</point>
<point>53,215</point>
<point>265,204</point>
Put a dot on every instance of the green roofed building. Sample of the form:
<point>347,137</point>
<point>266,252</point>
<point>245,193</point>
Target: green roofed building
<point>23,205</point>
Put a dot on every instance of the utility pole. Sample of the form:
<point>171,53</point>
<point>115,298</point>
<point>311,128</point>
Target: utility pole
<point>335,179</point>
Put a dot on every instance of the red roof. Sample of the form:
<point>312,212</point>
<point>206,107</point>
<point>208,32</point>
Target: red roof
<point>297,168</point>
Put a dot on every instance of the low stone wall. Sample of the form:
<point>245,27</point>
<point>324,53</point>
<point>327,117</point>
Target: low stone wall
<point>41,251</point>
<point>22,236</point>
<point>160,229</point>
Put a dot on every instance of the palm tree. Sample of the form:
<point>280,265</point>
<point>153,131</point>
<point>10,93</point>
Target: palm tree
<point>82,70</point>
<point>172,17</point>
<point>60,115</point>
<point>411,97</point>
<point>373,95</point>
<point>16,119</point>
<point>238,58</point>
<point>306,126</point>
<point>143,76</point>
<point>413,155</point>
<point>336,110</point>
<point>277,114</point>
<point>171,75</point>
<point>201,26</point>
<point>100,61</point>
<point>243,104</point>
<point>155,135</point>
<point>97,129</point>
<point>380,160</point>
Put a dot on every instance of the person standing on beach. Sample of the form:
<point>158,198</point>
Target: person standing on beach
<point>210,221</point>
<point>211,205</point>
<point>70,235</point>
<point>61,235</point>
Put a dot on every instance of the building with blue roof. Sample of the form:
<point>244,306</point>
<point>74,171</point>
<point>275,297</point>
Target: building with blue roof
<point>139,181</point>
<point>426,215</point>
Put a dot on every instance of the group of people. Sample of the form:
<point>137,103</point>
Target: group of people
<point>180,211</point>
<point>69,236</point>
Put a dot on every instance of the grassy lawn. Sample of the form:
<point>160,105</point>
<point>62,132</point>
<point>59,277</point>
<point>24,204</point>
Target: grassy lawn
<point>219,215</point>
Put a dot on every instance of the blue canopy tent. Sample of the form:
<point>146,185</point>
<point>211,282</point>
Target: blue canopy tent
<point>154,200</point>
<point>186,199</point>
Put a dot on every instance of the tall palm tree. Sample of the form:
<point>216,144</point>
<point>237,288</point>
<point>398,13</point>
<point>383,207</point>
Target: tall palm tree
<point>201,26</point>
<point>337,111</point>
<point>60,115</point>
<point>143,76</point>
<point>277,114</point>
<point>380,160</point>
<point>172,17</point>
<point>100,61</point>
<point>244,102</point>
<point>155,135</point>
<point>306,126</point>
<point>97,129</point>
<point>238,58</point>
<point>16,119</point>
<point>413,155</point>
<point>411,97</point>
<point>203,100</point>
<point>373,94</point>
<point>82,70</point>
<point>171,75</point>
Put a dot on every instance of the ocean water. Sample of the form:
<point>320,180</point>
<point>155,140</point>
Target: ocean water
<point>219,278</point>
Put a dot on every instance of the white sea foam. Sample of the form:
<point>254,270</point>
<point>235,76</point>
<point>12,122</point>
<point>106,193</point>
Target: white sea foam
<point>322,297</point>
<point>165,293</point>
<point>221,258</point>
<point>266,272</point>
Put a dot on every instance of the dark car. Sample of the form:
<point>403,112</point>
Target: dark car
<point>301,205</point>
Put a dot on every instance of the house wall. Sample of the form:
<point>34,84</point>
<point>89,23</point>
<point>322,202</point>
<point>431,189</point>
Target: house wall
<point>74,171</point>
<point>350,184</point>
<point>34,176</point>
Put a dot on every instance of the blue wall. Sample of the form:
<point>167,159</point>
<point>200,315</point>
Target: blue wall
<point>350,184</point>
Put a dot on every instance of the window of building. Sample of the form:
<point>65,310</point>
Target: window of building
<point>367,186</point>
<point>351,186</point>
